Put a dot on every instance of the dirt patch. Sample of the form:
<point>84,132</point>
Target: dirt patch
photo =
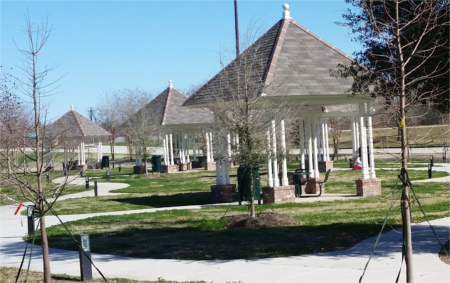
<point>262,220</point>
<point>443,256</point>
<point>151,176</point>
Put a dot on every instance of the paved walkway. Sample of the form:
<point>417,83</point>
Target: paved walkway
<point>341,266</point>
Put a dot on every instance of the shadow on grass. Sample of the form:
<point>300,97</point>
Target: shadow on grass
<point>202,244</point>
<point>157,201</point>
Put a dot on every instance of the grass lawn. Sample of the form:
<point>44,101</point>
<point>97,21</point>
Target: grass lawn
<point>204,234</point>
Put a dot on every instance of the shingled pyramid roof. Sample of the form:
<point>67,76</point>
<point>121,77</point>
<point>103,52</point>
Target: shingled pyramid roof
<point>74,125</point>
<point>167,110</point>
<point>288,60</point>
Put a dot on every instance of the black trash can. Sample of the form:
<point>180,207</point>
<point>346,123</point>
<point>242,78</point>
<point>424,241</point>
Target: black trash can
<point>105,161</point>
<point>156,164</point>
<point>244,182</point>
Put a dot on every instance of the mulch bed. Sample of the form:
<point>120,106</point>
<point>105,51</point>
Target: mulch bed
<point>262,220</point>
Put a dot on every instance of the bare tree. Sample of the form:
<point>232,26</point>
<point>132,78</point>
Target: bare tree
<point>240,108</point>
<point>406,62</point>
<point>115,109</point>
<point>142,127</point>
<point>33,87</point>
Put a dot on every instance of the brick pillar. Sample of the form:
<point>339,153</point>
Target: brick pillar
<point>368,187</point>
<point>223,193</point>
<point>210,166</point>
<point>313,188</point>
<point>280,194</point>
<point>325,165</point>
<point>170,168</point>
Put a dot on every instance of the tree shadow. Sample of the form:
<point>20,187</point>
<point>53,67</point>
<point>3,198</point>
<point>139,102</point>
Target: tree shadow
<point>157,201</point>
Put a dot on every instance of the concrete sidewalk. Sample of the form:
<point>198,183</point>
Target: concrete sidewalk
<point>341,266</point>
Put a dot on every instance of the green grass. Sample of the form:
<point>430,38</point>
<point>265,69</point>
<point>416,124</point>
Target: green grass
<point>8,274</point>
<point>202,234</point>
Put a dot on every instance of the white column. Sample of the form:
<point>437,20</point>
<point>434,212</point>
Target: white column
<point>208,155</point>
<point>79,153</point>
<point>83,154</point>
<point>211,146</point>
<point>165,150</point>
<point>269,162</point>
<point>99,151</point>
<point>183,149</point>
<point>316,153</point>
<point>284,180</point>
<point>237,142</point>
<point>310,146</point>
<point>363,142</point>
<point>229,145</point>
<point>369,126</point>
<point>171,149</point>
<point>301,132</point>
<point>327,142</point>
<point>219,173</point>
<point>276,181</point>
<point>188,158</point>
<point>324,145</point>
<point>194,146</point>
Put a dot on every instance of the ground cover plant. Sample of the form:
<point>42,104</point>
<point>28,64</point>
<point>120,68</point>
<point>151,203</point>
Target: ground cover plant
<point>300,228</point>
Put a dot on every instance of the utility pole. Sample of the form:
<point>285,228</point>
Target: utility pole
<point>236,28</point>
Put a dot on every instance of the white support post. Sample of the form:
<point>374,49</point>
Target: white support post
<point>188,157</point>
<point>83,154</point>
<point>171,149</point>
<point>165,150</point>
<point>324,156</point>
<point>315,125</point>
<point>79,153</point>
<point>194,146</point>
<point>269,162</point>
<point>284,180</point>
<point>229,146</point>
<point>301,132</point>
<point>183,149</point>
<point>371,153</point>
<point>99,151</point>
<point>310,147</point>
<point>211,146</point>
<point>208,155</point>
<point>276,181</point>
<point>363,142</point>
<point>327,143</point>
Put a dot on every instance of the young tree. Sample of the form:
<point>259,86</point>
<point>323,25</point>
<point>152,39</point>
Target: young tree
<point>406,60</point>
<point>34,87</point>
<point>142,127</point>
<point>240,108</point>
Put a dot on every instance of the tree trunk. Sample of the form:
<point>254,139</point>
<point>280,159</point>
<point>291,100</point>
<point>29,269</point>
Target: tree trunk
<point>405,201</point>
<point>45,252</point>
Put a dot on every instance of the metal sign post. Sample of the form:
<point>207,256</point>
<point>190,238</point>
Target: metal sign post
<point>85,258</point>
<point>30,218</point>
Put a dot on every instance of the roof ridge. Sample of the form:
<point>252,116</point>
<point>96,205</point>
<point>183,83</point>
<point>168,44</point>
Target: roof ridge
<point>276,51</point>
<point>321,39</point>
<point>166,106</point>
<point>77,121</point>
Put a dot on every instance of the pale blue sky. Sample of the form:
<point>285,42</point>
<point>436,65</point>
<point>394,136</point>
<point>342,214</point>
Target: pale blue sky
<point>102,46</point>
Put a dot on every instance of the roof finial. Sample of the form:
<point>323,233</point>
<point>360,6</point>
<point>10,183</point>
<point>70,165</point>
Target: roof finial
<point>170,84</point>
<point>71,107</point>
<point>286,13</point>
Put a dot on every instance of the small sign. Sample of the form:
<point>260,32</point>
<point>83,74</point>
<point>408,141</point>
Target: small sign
<point>32,135</point>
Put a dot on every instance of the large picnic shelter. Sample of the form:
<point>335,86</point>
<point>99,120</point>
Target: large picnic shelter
<point>295,65</point>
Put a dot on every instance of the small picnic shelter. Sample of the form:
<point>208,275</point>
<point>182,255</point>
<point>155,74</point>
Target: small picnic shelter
<point>72,131</point>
